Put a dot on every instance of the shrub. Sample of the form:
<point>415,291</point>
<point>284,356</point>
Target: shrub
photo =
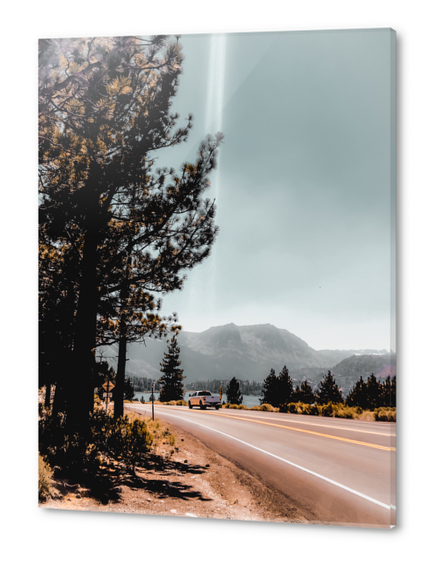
<point>385,414</point>
<point>266,408</point>
<point>347,412</point>
<point>311,410</point>
<point>124,439</point>
<point>327,410</point>
<point>174,403</point>
<point>45,475</point>
<point>235,406</point>
<point>306,409</point>
<point>169,438</point>
<point>128,440</point>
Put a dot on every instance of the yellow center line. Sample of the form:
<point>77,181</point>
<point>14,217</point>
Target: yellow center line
<point>324,425</point>
<point>307,431</point>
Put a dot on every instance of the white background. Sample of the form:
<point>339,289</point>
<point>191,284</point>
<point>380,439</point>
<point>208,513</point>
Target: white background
<point>29,533</point>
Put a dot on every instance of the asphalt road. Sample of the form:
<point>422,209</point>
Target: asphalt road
<point>338,472</point>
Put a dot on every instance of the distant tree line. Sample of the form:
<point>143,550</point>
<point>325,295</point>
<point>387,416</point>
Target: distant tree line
<point>369,395</point>
<point>249,388</point>
<point>143,384</point>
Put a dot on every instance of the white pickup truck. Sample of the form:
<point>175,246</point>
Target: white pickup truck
<point>203,399</point>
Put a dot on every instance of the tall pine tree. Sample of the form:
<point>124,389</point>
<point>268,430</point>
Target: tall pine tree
<point>270,390</point>
<point>171,381</point>
<point>304,394</point>
<point>358,395</point>
<point>104,109</point>
<point>233,393</point>
<point>374,392</point>
<point>389,392</point>
<point>328,390</point>
<point>284,386</point>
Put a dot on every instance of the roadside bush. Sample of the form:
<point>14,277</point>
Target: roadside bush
<point>169,438</point>
<point>123,439</point>
<point>327,410</point>
<point>45,475</point>
<point>174,403</point>
<point>305,409</point>
<point>267,408</point>
<point>235,406</point>
<point>311,410</point>
<point>347,412</point>
<point>385,414</point>
<point>128,440</point>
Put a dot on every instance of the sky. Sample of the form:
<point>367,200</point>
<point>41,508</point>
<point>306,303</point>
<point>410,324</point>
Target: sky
<point>304,188</point>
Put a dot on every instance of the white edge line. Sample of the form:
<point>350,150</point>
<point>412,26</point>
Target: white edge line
<point>368,498</point>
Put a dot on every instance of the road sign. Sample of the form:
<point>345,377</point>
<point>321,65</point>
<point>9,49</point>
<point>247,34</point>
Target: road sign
<point>107,394</point>
<point>107,386</point>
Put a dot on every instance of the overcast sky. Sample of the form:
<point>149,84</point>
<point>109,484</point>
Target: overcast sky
<point>305,201</point>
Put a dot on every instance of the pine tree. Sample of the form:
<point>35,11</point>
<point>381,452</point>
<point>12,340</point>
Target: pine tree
<point>328,391</point>
<point>358,395</point>
<point>374,392</point>
<point>284,387</point>
<point>172,381</point>
<point>304,394</point>
<point>128,390</point>
<point>270,390</point>
<point>105,108</point>
<point>233,393</point>
<point>393,392</point>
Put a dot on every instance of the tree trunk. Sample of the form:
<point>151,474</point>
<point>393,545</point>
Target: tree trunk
<point>120,378</point>
<point>47,395</point>
<point>79,385</point>
<point>121,365</point>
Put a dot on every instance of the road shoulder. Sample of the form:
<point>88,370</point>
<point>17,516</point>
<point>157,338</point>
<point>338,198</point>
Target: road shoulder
<point>189,481</point>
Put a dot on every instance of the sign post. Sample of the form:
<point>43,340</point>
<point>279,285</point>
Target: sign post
<point>107,386</point>
<point>152,399</point>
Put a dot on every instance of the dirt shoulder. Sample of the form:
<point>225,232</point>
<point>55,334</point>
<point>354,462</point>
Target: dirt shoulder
<point>184,480</point>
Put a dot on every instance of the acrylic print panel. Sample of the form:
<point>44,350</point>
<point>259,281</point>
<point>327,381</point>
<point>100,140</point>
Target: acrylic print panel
<point>217,294</point>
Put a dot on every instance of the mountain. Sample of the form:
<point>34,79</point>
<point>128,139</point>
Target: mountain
<point>244,352</point>
<point>334,356</point>
<point>349,370</point>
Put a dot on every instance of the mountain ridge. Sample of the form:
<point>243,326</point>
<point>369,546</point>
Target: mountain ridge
<point>246,352</point>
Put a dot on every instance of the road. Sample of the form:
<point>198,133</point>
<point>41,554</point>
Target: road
<point>339,472</point>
